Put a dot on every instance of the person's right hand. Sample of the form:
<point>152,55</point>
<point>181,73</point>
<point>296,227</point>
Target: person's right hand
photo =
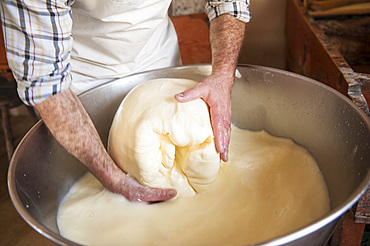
<point>134,191</point>
<point>215,90</point>
<point>72,127</point>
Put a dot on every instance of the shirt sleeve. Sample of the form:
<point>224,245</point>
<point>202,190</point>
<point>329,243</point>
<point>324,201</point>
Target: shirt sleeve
<point>238,8</point>
<point>38,41</point>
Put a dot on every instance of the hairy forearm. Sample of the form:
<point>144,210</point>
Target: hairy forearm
<point>72,127</point>
<point>226,37</point>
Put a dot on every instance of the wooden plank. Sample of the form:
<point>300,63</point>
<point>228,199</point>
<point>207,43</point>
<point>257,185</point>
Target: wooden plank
<point>347,232</point>
<point>330,4</point>
<point>361,211</point>
<point>5,122</point>
<point>193,36</point>
<point>353,9</point>
<point>3,60</point>
<point>309,52</point>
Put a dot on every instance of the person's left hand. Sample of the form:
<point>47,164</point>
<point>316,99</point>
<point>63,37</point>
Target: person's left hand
<point>215,90</point>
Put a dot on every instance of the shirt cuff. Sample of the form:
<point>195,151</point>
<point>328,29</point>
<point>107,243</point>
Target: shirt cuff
<point>35,92</point>
<point>239,9</point>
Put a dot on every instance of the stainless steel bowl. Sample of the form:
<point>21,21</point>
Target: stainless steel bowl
<point>315,116</point>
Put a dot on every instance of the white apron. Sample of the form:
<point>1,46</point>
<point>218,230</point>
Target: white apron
<point>114,38</point>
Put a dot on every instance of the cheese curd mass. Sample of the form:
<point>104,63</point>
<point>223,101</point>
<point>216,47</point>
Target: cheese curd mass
<point>164,143</point>
<point>269,187</point>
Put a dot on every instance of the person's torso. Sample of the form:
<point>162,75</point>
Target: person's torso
<point>113,38</point>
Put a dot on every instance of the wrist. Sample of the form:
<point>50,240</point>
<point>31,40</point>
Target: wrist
<point>224,73</point>
<point>227,74</point>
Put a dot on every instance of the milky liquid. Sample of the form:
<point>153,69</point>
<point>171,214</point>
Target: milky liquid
<point>270,187</point>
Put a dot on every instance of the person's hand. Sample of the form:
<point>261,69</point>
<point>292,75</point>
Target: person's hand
<point>133,191</point>
<point>72,127</point>
<point>215,90</point>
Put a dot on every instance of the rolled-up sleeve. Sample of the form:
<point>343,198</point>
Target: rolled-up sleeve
<point>38,41</point>
<point>238,8</point>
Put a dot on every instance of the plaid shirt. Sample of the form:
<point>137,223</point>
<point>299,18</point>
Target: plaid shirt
<point>38,41</point>
<point>238,8</point>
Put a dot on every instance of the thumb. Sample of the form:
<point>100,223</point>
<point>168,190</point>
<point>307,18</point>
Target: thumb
<point>188,95</point>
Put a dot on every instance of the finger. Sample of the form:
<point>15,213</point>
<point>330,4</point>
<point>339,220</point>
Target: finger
<point>134,191</point>
<point>221,132</point>
<point>226,137</point>
<point>218,132</point>
<point>146,194</point>
<point>189,95</point>
<point>224,142</point>
<point>224,156</point>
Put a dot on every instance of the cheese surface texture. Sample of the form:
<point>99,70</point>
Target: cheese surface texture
<point>164,143</point>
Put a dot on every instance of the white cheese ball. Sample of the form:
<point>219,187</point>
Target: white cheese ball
<point>164,143</point>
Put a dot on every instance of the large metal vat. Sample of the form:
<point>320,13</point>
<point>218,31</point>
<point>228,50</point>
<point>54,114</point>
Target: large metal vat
<point>315,116</point>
